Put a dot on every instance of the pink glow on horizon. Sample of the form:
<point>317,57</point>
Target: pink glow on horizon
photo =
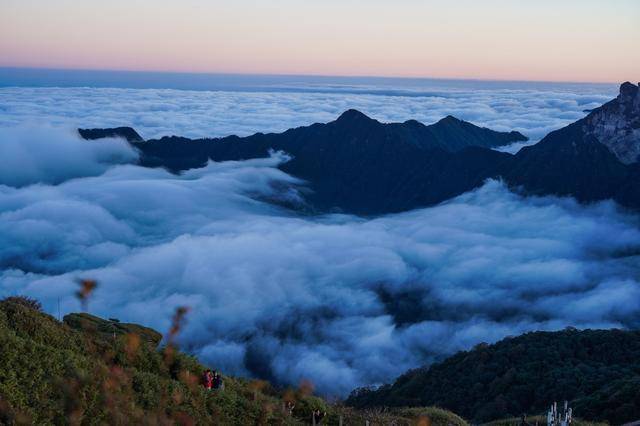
<point>497,39</point>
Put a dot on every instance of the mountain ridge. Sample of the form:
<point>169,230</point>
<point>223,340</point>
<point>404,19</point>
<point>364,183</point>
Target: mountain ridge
<point>358,165</point>
<point>354,164</point>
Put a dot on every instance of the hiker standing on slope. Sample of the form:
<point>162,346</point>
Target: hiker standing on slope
<point>207,380</point>
<point>217,381</point>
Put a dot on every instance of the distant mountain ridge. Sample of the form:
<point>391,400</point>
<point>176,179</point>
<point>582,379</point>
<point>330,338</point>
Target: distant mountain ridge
<point>359,165</point>
<point>355,163</point>
<point>117,132</point>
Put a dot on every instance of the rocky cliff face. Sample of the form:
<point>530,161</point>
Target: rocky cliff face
<point>592,159</point>
<point>616,124</point>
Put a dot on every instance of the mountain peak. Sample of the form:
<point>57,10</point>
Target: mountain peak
<point>352,115</point>
<point>629,97</point>
<point>628,90</point>
<point>616,124</point>
<point>413,122</point>
<point>449,119</point>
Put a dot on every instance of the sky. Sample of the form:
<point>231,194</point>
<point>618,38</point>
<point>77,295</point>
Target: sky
<point>569,40</point>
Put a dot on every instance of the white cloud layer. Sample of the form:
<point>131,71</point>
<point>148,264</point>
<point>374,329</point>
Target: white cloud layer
<point>533,109</point>
<point>340,300</point>
<point>337,299</point>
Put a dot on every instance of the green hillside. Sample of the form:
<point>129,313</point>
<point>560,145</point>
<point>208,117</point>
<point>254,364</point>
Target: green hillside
<point>598,371</point>
<point>87,371</point>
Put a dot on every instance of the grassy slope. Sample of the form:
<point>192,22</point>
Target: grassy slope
<point>51,373</point>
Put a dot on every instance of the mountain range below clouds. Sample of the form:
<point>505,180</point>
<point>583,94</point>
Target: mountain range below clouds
<point>359,165</point>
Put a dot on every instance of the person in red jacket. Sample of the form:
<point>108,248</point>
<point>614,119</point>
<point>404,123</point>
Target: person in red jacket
<point>207,380</point>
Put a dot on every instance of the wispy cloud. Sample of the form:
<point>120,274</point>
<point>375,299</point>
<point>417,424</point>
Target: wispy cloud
<point>45,154</point>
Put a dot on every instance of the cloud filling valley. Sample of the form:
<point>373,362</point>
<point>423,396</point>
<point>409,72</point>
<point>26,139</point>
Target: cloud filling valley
<point>340,300</point>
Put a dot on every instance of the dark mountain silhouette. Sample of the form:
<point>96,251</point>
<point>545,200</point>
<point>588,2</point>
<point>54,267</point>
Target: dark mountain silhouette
<point>354,163</point>
<point>358,165</point>
<point>455,134</point>
<point>597,371</point>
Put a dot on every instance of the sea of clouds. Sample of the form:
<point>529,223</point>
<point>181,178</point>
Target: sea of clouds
<point>340,300</point>
<point>533,109</point>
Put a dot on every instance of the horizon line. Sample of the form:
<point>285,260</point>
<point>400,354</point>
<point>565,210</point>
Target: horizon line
<point>318,75</point>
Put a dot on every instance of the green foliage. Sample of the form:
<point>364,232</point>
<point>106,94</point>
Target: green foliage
<point>307,404</point>
<point>51,373</point>
<point>83,372</point>
<point>147,388</point>
<point>598,371</point>
<point>25,301</point>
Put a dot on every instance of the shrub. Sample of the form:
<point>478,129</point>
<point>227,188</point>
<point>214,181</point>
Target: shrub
<point>26,301</point>
<point>79,372</point>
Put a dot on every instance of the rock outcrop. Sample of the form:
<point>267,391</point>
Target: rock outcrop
<point>590,159</point>
<point>111,328</point>
<point>616,124</point>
